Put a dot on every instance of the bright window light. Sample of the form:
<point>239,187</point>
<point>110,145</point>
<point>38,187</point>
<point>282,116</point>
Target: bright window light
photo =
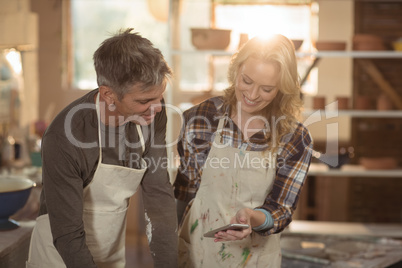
<point>294,22</point>
<point>265,20</point>
<point>14,58</point>
<point>94,21</point>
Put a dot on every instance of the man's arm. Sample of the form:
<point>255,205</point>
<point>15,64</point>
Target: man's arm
<point>158,199</point>
<point>63,193</point>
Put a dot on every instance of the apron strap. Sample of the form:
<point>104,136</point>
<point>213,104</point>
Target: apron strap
<point>99,128</point>
<point>139,130</point>
<point>219,130</point>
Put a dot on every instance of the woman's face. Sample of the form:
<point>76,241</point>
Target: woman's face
<point>256,85</point>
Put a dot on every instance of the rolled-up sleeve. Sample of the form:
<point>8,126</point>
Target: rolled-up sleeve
<point>293,162</point>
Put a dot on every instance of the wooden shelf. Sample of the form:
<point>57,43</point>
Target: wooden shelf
<point>354,113</point>
<point>352,171</point>
<point>200,52</point>
<point>319,54</point>
<point>352,54</point>
<point>20,47</point>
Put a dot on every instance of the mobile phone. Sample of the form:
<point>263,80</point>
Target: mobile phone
<point>232,226</point>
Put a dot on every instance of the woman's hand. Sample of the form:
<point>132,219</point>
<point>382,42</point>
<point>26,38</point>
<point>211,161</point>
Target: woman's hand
<point>243,216</point>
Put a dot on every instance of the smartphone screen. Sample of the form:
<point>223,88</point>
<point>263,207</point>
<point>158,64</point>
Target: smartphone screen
<point>232,226</point>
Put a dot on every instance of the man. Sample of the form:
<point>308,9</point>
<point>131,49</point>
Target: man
<point>96,153</point>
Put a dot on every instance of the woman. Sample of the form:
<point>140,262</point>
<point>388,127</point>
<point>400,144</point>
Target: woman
<point>244,159</point>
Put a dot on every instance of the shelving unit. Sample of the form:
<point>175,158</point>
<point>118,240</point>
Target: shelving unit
<point>353,193</point>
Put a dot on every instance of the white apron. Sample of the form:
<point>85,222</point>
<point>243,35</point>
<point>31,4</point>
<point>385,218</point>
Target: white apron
<point>232,179</point>
<point>106,200</point>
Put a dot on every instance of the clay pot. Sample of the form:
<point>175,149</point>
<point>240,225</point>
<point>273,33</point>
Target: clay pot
<point>159,9</point>
<point>368,42</point>
<point>372,46</point>
<point>363,103</point>
<point>397,45</point>
<point>330,45</point>
<point>297,43</point>
<point>367,38</point>
<point>207,38</point>
<point>384,103</point>
<point>378,162</point>
<point>319,102</point>
<point>343,103</point>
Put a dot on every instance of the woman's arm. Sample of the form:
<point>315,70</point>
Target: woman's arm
<point>292,166</point>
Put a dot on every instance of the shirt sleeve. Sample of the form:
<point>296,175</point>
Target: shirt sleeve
<point>63,192</point>
<point>158,198</point>
<point>193,148</point>
<point>293,162</point>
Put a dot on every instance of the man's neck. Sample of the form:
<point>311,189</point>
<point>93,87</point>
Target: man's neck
<point>107,117</point>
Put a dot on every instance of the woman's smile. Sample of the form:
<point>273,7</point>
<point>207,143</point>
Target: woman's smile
<point>249,102</point>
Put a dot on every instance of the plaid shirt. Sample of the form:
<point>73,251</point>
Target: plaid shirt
<point>197,135</point>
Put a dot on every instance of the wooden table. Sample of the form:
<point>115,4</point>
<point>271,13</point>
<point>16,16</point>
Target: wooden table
<point>388,230</point>
<point>14,245</point>
<point>341,244</point>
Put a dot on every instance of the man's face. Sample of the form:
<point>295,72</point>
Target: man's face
<point>139,106</point>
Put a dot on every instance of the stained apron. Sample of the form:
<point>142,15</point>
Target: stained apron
<point>231,179</point>
<point>106,201</point>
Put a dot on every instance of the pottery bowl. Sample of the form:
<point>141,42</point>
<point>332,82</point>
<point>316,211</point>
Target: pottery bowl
<point>397,45</point>
<point>378,162</point>
<point>207,38</point>
<point>14,193</point>
<point>297,43</point>
<point>368,42</point>
<point>330,45</point>
<point>367,38</point>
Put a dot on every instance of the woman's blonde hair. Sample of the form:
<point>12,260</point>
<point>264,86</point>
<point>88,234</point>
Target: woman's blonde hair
<point>283,111</point>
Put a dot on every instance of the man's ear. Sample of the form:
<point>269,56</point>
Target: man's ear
<point>107,94</point>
